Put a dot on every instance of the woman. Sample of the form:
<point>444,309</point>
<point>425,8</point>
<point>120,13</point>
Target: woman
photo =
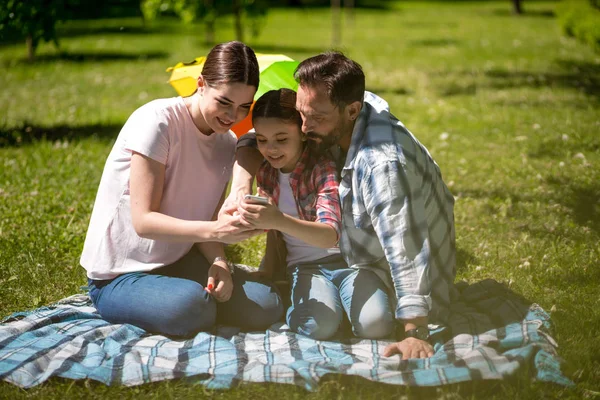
<point>161,187</point>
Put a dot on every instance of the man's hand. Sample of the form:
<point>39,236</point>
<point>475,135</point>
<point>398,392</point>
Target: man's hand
<point>220,283</point>
<point>409,348</point>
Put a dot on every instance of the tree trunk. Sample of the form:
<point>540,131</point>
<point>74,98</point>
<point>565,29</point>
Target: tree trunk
<point>237,13</point>
<point>336,26</point>
<point>30,48</point>
<point>517,7</point>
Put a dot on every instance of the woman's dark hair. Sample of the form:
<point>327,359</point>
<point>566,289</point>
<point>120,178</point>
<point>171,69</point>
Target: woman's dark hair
<point>231,62</point>
<point>280,104</point>
<point>343,78</point>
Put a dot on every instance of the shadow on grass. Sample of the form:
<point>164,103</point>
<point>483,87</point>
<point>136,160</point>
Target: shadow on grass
<point>508,12</point>
<point>434,42</point>
<point>463,259</point>
<point>400,91</point>
<point>80,31</point>
<point>273,48</point>
<point>582,200</point>
<point>26,134</point>
<point>579,75</point>
<point>83,57</point>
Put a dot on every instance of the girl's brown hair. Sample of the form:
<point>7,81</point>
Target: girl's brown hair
<point>231,62</point>
<point>280,104</point>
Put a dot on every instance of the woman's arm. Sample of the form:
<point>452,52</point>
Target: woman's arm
<point>146,184</point>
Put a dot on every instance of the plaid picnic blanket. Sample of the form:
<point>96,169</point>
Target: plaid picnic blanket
<point>494,334</point>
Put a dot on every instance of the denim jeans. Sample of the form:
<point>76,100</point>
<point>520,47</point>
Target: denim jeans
<point>171,300</point>
<point>324,292</point>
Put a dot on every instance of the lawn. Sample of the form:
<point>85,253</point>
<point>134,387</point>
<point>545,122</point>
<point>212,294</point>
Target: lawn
<point>508,107</point>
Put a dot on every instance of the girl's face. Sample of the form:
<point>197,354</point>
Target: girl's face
<point>224,105</point>
<point>280,142</point>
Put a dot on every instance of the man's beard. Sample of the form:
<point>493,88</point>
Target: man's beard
<point>319,147</point>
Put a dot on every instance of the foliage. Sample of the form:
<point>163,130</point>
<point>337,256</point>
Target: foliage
<point>580,19</point>
<point>34,20</point>
<point>208,11</point>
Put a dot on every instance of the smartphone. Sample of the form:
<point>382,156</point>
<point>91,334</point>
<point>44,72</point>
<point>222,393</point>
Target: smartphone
<point>256,199</point>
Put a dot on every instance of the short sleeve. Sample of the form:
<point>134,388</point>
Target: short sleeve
<point>247,140</point>
<point>146,132</point>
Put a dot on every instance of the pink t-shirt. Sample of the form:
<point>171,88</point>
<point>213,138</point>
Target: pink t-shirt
<point>197,169</point>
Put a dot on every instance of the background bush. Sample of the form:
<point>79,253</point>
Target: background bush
<point>581,19</point>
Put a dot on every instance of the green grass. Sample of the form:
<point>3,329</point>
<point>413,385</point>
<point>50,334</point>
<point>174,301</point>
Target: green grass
<point>508,107</point>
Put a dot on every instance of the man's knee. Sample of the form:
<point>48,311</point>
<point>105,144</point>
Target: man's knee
<point>374,325</point>
<point>316,321</point>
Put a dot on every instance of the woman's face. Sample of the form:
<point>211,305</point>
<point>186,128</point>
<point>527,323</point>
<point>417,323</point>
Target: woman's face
<point>280,142</point>
<point>224,105</point>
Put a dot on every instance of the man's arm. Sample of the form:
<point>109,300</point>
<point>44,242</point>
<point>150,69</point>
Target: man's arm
<point>247,161</point>
<point>394,202</point>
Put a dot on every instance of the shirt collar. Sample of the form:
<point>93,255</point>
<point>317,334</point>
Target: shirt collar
<point>372,104</point>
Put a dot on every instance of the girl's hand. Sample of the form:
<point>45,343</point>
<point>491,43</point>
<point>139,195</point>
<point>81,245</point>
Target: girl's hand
<point>258,216</point>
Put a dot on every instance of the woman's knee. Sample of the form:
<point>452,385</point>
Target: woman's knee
<point>182,312</point>
<point>189,314</point>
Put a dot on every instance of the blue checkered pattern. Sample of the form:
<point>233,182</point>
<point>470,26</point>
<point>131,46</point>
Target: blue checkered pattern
<point>493,334</point>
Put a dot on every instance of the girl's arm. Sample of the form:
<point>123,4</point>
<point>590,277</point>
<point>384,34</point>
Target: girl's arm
<point>146,186</point>
<point>316,234</point>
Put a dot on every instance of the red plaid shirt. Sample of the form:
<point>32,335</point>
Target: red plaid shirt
<point>314,184</point>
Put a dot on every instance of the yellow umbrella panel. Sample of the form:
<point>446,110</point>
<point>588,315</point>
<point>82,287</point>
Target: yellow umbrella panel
<point>276,71</point>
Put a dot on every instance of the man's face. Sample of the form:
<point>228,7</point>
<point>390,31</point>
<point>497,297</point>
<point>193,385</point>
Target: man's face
<point>323,122</point>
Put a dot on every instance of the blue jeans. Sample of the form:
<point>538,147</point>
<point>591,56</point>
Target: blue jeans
<point>171,300</point>
<point>324,291</point>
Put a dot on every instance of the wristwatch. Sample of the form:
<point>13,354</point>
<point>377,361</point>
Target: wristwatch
<point>420,332</point>
<point>229,265</point>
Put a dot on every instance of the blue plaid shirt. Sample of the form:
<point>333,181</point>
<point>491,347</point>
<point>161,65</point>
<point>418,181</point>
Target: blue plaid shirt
<point>397,214</point>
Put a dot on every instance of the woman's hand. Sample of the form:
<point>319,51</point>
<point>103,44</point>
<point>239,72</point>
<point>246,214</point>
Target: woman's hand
<point>220,283</point>
<point>230,229</point>
<point>259,216</point>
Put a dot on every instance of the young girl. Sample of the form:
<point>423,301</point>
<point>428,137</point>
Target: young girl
<point>161,186</point>
<point>304,206</point>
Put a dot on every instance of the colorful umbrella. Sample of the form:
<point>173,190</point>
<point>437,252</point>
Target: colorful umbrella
<point>276,71</point>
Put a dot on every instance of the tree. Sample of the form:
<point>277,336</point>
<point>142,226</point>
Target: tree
<point>517,9</point>
<point>208,11</point>
<point>32,20</point>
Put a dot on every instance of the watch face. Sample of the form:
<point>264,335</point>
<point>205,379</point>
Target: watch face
<point>422,333</point>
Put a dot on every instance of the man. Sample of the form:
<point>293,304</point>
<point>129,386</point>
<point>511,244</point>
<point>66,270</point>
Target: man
<point>397,213</point>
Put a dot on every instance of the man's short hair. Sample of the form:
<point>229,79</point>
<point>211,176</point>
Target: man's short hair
<point>342,77</point>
